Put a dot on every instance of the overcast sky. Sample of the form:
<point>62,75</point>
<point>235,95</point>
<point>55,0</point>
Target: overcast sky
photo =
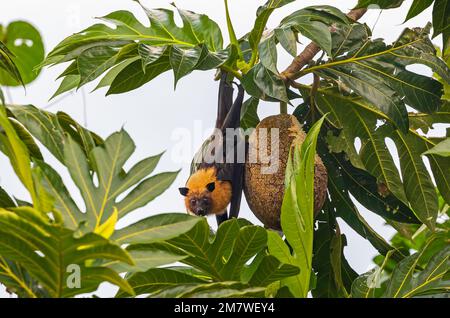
<point>154,113</point>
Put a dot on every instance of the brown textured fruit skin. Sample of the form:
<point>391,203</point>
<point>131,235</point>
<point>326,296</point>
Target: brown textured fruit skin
<point>264,192</point>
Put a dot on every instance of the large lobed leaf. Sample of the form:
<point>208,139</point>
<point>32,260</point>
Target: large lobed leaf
<point>48,251</point>
<point>379,74</point>
<point>219,261</point>
<point>422,273</point>
<point>135,54</point>
<point>359,120</point>
<point>96,167</point>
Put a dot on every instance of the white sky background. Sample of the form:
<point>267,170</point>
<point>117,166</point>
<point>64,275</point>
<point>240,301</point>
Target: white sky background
<point>152,113</point>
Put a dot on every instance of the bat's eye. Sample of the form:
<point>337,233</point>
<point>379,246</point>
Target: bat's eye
<point>211,186</point>
<point>193,201</point>
<point>205,201</point>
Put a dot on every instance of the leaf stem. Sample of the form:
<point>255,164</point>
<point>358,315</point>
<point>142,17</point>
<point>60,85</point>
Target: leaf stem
<point>232,71</point>
<point>350,60</point>
<point>232,34</point>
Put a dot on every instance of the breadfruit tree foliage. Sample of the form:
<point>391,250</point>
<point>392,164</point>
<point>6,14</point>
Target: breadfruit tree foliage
<point>363,90</point>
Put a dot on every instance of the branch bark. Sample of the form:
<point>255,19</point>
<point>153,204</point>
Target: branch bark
<point>311,50</point>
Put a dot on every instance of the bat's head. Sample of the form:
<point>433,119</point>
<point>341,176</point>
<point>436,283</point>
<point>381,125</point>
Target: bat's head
<point>199,202</point>
<point>204,194</point>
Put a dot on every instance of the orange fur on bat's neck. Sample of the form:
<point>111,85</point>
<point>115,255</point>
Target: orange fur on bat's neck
<point>220,197</point>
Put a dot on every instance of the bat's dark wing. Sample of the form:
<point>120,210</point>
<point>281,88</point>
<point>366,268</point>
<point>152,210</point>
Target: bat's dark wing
<point>234,171</point>
<point>225,103</point>
<point>228,116</point>
<point>225,100</point>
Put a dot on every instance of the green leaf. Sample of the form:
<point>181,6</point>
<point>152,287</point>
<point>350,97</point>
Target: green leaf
<point>5,200</point>
<point>62,201</point>
<point>209,257</point>
<point>109,77</point>
<point>42,126</point>
<point>146,256</point>
<point>374,91</point>
<point>183,61</point>
<point>150,54</point>
<point>223,257</point>
<point>315,31</point>
<point>17,153</point>
<point>416,178</point>
<point>96,168</point>
<point>156,279</point>
<point>18,281</point>
<point>107,161</point>
<point>440,166</point>
<point>382,4</point>
<point>417,7</point>
<point>156,228</point>
<point>249,115</point>
<point>378,74</point>
<point>27,139</point>
<point>49,128</point>
<point>203,29</point>
<point>262,16</point>
<point>68,83</point>
<point>441,16</point>
<point>361,288</point>
<point>268,53</point>
<point>314,22</point>
<point>25,43</point>
<point>271,270</point>
<point>347,38</point>
<point>287,39</point>
<point>278,248</point>
<point>366,284</point>
<point>209,60</point>
<point>441,149</point>
<point>345,110</point>
<point>128,45</point>
<point>357,119</point>
<point>25,231</point>
<point>8,66</point>
<point>133,76</point>
<point>297,209</point>
<point>88,140</point>
<point>224,290</point>
<point>95,61</point>
<point>269,83</point>
<point>406,283</point>
<point>426,121</point>
<point>250,240</point>
<point>345,179</point>
<point>334,275</point>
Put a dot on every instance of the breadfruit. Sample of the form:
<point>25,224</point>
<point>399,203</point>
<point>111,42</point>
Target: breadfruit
<point>264,191</point>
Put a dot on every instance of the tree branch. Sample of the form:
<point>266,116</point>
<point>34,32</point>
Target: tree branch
<point>311,50</point>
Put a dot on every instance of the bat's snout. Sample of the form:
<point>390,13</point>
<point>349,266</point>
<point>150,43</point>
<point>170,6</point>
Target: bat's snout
<point>201,212</point>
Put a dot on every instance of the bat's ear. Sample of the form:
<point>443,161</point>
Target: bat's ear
<point>211,186</point>
<point>184,191</point>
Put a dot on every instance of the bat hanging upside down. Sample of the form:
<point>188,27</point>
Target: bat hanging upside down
<point>205,194</point>
<point>212,186</point>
